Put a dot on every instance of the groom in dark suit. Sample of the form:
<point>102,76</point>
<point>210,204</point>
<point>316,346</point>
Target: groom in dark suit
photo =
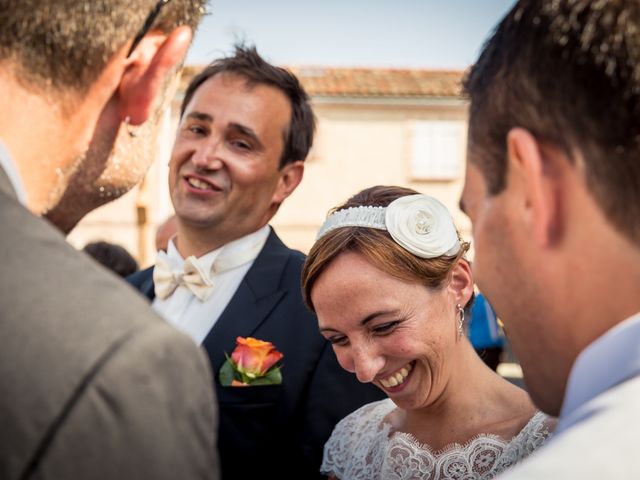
<point>246,128</point>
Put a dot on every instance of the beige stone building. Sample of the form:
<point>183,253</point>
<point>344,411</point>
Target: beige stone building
<point>375,126</point>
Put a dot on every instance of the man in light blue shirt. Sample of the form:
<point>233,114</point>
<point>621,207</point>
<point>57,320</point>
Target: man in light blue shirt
<point>553,191</point>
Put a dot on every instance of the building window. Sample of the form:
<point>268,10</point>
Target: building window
<point>436,149</point>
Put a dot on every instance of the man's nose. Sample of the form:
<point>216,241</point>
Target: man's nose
<point>207,156</point>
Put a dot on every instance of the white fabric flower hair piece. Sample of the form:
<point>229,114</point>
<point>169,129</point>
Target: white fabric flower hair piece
<point>419,223</point>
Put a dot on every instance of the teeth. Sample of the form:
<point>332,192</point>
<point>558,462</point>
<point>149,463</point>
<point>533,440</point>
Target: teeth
<point>199,184</point>
<point>397,378</point>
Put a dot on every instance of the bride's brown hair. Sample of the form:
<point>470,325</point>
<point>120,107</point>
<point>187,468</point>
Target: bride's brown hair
<point>377,247</point>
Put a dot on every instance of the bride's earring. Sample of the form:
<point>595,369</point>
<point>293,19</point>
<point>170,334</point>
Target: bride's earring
<point>461,320</point>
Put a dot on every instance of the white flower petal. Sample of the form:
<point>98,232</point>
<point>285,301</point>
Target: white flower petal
<point>422,225</point>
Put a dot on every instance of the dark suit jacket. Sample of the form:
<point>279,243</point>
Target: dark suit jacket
<point>278,429</point>
<point>93,385</point>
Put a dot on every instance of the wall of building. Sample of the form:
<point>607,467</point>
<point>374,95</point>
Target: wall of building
<point>358,146</point>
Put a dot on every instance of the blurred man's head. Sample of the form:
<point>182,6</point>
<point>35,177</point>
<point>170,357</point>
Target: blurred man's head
<point>112,256</point>
<point>165,232</point>
<point>71,59</point>
<point>553,177</point>
<point>245,131</point>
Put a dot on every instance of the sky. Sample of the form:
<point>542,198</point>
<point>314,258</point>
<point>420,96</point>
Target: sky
<point>440,34</point>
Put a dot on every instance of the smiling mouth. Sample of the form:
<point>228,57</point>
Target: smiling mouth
<point>398,378</point>
<point>202,185</point>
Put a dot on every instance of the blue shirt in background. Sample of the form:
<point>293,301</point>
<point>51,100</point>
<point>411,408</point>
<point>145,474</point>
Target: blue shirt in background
<point>483,330</point>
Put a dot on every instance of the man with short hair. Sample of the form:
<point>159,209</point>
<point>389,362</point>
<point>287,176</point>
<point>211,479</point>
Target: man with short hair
<point>553,191</point>
<point>94,385</point>
<point>246,128</point>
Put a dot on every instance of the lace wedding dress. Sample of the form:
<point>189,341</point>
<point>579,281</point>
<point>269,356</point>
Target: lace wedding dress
<point>363,447</point>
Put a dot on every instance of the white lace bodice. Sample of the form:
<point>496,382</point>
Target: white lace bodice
<point>364,447</point>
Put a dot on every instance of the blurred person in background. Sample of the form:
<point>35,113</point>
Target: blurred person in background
<point>165,232</point>
<point>485,333</point>
<point>112,256</point>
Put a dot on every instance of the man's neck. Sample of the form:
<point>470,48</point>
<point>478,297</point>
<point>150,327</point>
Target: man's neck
<point>188,245</point>
<point>45,132</point>
<point>33,128</point>
<point>198,242</point>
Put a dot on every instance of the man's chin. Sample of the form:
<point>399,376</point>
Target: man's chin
<point>64,177</point>
<point>543,394</point>
<point>197,219</point>
<point>107,192</point>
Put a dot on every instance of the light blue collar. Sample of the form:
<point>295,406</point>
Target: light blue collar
<point>607,362</point>
<point>6,163</point>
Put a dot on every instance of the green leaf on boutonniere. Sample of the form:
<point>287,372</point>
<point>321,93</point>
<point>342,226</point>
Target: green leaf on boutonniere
<point>272,377</point>
<point>227,373</point>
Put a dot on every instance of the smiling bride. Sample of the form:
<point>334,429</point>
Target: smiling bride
<point>390,285</point>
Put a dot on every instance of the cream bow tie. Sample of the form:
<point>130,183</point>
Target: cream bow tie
<point>166,281</point>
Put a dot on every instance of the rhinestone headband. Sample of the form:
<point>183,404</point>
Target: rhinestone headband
<point>418,223</point>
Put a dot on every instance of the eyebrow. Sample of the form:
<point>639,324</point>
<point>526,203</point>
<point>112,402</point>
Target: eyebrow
<point>242,129</point>
<point>205,117</point>
<point>364,321</point>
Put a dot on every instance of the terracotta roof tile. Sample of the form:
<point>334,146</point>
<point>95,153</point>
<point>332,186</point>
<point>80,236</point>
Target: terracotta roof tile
<point>375,82</point>
<point>370,82</point>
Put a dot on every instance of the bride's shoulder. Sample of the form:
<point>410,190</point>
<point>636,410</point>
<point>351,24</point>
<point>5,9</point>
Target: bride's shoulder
<point>355,446</point>
<point>367,418</point>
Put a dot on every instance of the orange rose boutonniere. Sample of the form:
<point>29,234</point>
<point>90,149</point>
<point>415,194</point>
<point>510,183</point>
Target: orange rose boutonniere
<point>253,362</point>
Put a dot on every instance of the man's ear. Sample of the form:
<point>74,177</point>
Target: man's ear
<point>146,71</point>
<point>290,177</point>
<point>533,167</point>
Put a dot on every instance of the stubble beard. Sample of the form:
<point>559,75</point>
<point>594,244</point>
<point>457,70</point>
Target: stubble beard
<point>61,183</point>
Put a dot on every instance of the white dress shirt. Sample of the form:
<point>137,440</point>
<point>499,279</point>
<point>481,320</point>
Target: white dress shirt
<point>184,310</point>
<point>6,163</point>
<point>597,433</point>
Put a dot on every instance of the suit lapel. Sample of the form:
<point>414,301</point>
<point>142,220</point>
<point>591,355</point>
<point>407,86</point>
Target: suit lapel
<point>147,287</point>
<point>258,294</point>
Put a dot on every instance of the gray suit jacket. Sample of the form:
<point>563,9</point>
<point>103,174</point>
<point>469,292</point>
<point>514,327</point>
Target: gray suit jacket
<point>93,385</point>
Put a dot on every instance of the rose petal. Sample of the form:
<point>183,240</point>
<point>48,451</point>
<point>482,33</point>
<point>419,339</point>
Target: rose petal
<point>272,358</point>
<point>254,357</point>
